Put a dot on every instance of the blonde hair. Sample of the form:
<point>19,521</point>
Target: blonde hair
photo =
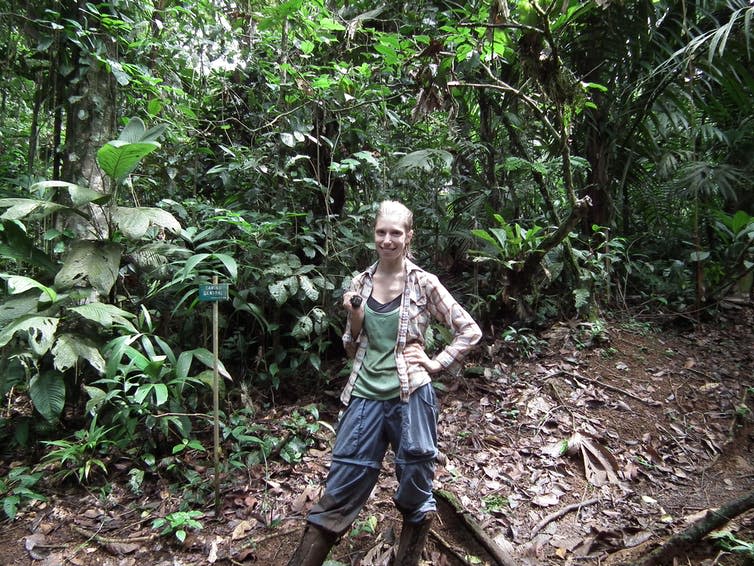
<point>397,209</point>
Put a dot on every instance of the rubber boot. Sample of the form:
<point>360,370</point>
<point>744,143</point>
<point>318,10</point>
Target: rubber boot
<point>413,537</point>
<point>314,547</point>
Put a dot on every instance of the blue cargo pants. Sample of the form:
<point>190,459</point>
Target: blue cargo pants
<point>366,429</point>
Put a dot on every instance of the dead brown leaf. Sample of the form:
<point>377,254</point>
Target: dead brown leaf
<point>600,466</point>
<point>241,530</point>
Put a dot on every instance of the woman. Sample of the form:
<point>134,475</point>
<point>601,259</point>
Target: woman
<point>389,395</point>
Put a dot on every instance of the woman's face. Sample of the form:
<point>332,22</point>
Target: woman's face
<point>391,237</point>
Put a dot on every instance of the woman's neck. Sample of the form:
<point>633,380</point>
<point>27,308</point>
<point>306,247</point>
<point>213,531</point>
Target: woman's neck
<point>391,267</point>
<point>389,280</point>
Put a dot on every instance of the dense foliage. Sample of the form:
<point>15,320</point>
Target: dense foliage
<point>561,159</point>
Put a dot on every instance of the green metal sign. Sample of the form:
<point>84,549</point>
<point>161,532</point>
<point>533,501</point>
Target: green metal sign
<point>213,293</point>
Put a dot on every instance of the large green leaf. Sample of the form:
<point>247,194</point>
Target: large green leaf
<point>18,305</point>
<point>79,195</point>
<point>90,263</point>
<point>206,357</point>
<point>278,292</point>
<point>47,392</point>
<point>303,327</point>
<point>183,364</point>
<point>479,233</point>
<point>189,268</point>
<point>137,359</point>
<point>230,264</point>
<point>160,393</point>
<point>97,396</point>
<point>308,287</point>
<point>134,222</point>
<point>280,269</point>
<point>40,331</point>
<point>68,349</point>
<point>319,318</point>
<point>191,263</point>
<point>136,131</point>
<point>118,158</point>
<point>292,283</point>
<point>18,284</point>
<point>131,221</point>
<point>106,315</point>
<point>18,208</point>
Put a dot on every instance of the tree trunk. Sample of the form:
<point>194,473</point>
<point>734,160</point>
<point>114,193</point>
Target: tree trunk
<point>598,182</point>
<point>487,137</point>
<point>90,123</point>
<point>39,96</point>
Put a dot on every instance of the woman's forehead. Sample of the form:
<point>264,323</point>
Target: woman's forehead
<point>390,222</point>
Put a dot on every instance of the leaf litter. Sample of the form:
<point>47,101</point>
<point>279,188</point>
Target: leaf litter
<point>581,455</point>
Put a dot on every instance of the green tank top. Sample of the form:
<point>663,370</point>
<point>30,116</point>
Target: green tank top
<point>378,376</point>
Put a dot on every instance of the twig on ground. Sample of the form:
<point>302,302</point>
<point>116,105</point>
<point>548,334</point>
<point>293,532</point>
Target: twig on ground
<point>274,534</point>
<point>678,442</point>
<point>52,546</point>
<point>611,388</point>
<point>559,513</point>
<point>699,373</point>
<point>91,535</point>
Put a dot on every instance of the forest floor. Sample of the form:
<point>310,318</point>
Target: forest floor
<point>590,444</point>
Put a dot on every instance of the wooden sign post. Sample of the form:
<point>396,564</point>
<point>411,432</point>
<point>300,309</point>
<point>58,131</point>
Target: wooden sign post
<point>215,293</point>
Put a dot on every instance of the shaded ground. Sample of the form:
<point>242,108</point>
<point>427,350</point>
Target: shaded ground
<point>634,431</point>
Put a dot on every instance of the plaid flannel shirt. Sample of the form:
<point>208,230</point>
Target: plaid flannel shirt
<point>423,296</point>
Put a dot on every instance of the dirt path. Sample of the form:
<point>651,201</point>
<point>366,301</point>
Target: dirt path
<point>591,452</point>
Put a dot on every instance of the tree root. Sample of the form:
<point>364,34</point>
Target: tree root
<point>501,556</point>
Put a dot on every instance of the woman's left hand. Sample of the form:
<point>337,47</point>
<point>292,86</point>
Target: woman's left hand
<point>415,354</point>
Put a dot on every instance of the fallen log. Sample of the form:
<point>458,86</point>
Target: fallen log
<point>696,531</point>
<point>502,557</point>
